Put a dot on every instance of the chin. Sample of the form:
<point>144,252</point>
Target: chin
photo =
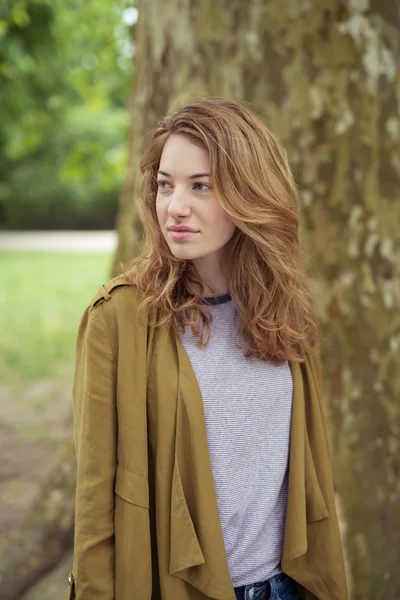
<point>183,254</point>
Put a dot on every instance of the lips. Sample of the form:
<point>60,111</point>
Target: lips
<point>182,235</point>
<point>182,229</point>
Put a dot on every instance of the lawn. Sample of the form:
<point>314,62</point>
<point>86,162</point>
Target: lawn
<point>43,297</point>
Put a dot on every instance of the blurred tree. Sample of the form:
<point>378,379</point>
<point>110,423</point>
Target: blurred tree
<point>65,75</point>
<point>45,535</point>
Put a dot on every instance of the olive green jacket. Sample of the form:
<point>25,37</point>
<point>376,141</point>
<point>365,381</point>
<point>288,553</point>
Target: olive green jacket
<point>147,523</point>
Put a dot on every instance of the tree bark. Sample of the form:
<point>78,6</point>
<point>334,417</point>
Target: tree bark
<point>335,70</point>
<point>184,49</point>
<point>325,77</point>
<point>46,534</point>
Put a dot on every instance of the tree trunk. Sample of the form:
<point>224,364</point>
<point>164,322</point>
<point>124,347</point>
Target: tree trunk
<point>324,76</point>
<point>184,49</point>
<point>334,100</point>
<point>45,535</point>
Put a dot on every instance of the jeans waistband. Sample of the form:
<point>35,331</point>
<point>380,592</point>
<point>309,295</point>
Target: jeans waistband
<point>246,592</point>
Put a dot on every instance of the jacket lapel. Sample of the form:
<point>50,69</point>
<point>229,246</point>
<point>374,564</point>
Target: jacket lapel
<point>295,540</point>
<point>197,551</point>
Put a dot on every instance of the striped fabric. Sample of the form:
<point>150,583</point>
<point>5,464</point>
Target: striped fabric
<point>247,409</point>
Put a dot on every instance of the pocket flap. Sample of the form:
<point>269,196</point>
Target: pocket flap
<point>132,487</point>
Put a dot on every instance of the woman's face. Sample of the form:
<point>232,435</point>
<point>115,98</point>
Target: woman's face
<point>185,198</point>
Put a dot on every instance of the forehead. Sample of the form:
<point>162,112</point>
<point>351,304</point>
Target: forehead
<point>181,156</point>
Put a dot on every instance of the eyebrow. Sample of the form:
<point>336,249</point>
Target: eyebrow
<point>195,176</point>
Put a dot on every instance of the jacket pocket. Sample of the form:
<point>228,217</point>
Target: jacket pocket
<point>315,503</point>
<point>132,487</point>
<point>70,595</point>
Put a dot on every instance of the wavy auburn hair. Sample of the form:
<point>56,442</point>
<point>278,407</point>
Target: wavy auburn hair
<point>264,262</point>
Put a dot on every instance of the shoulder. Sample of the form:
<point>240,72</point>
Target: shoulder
<point>112,319</point>
<point>116,304</point>
<point>115,289</point>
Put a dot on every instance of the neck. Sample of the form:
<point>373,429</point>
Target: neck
<point>213,277</point>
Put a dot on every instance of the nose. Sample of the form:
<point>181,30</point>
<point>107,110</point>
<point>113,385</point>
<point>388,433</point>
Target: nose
<point>178,206</point>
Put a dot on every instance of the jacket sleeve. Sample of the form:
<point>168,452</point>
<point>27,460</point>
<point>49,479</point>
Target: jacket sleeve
<point>95,434</point>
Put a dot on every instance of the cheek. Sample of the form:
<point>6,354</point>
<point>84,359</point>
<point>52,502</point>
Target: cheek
<point>160,213</point>
<point>222,223</point>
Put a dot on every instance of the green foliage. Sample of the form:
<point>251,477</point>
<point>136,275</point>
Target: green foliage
<point>65,78</point>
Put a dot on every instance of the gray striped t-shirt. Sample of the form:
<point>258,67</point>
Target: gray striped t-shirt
<point>247,407</point>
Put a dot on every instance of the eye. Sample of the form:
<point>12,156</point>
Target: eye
<point>163,184</point>
<point>204,187</point>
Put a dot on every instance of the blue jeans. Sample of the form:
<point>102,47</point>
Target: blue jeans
<point>278,587</point>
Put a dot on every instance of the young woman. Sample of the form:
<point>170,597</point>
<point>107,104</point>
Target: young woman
<point>203,465</point>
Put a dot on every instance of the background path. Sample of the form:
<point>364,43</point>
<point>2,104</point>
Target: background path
<point>59,241</point>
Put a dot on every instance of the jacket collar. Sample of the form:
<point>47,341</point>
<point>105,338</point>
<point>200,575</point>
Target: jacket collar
<point>197,551</point>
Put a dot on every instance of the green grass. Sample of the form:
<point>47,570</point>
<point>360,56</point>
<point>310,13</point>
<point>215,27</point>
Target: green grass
<point>42,300</point>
